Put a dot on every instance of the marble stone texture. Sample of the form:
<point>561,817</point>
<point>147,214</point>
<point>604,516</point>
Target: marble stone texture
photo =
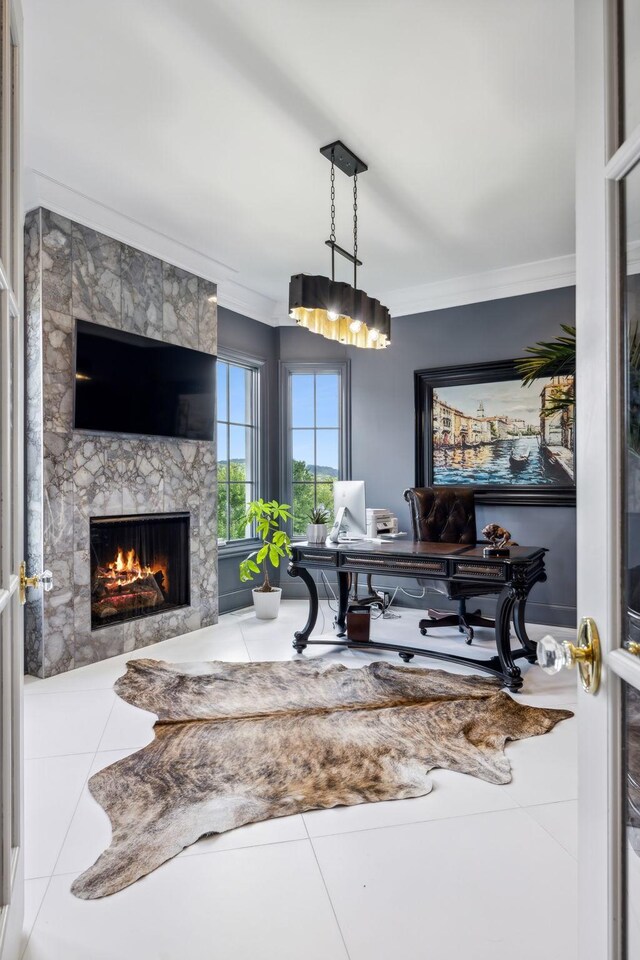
<point>180,307</point>
<point>207,316</point>
<point>57,361</point>
<point>141,293</point>
<point>72,271</point>
<point>55,261</point>
<point>97,285</point>
<point>33,432</point>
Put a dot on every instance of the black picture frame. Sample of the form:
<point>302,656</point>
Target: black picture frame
<point>425,382</point>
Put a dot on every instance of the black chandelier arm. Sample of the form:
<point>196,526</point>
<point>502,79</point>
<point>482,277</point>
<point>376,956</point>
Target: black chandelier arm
<point>343,253</point>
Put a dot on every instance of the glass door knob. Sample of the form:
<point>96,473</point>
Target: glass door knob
<point>554,654</point>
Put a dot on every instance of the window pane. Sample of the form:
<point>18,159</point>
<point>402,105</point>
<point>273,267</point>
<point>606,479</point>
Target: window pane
<point>239,395</point>
<point>327,400</point>
<point>241,466</point>
<point>222,511</point>
<point>327,453</point>
<point>303,504</point>
<point>223,454</point>
<point>222,370</point>
<point>239,496</point>
<point>301,400</point>
<point>302,448</point>
<point>324,497</point>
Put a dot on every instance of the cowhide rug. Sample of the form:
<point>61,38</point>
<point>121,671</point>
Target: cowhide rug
<point>240,742</point>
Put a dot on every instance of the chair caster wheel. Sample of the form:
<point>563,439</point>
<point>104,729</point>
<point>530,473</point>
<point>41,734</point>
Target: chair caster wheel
<point>468,641</point>
<point>423,631</point>
<point>406,656</point>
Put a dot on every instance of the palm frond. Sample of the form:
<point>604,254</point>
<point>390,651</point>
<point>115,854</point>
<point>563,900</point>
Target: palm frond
<point>549,358</point>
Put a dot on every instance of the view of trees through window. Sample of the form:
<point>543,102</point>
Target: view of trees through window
<point>314,421</point>
<point>237,447</point>
<point>314,427</point>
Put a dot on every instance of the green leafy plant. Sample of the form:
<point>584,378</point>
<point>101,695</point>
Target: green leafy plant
<point>319,516</point>
<point>275,542</point>
<point>552,358</point>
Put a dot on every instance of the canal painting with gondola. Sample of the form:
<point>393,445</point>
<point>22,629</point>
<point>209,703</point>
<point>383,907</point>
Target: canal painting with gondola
<point>503,434</point>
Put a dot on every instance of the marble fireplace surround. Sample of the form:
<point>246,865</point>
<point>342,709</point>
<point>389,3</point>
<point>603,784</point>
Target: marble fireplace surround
<point>72,271</point>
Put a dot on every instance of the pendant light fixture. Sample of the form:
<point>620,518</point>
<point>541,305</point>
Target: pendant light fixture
<point>337,310</point>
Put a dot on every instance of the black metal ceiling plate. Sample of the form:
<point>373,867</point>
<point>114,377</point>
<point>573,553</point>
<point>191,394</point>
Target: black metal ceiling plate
<point>344,159</point>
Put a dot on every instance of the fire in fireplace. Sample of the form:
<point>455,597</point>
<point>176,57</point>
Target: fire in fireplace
<point>139,566</point>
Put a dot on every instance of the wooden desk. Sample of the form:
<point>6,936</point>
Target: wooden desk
<point>513,576</point>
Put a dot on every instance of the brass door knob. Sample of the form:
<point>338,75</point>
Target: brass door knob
<point>44,580</point>
<point>554,654</point>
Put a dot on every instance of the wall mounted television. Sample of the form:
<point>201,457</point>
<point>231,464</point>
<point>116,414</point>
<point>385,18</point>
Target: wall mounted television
<point>125,383</point>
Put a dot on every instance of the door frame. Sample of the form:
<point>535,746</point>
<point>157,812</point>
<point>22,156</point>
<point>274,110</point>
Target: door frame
<point>11,478</point>
<point>600,164</point>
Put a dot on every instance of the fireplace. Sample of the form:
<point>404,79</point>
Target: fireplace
<point>139,566</point>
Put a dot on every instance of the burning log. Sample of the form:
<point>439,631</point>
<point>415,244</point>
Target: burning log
<point>125,584</point>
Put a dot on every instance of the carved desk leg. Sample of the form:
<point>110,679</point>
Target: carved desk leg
<point>521,629</point>
<point>511,673</point>
<point>344,585</point>
<point>301,636</point>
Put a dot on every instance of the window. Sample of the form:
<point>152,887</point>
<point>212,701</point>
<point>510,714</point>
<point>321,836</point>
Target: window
<point>315,429</point>
<point>238,439</point>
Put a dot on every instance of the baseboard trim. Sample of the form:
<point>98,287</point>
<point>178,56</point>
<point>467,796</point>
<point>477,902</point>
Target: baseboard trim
<point>235,600</point>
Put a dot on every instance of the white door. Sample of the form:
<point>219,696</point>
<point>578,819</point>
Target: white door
<point>608,457</point>
<point>11,482</point>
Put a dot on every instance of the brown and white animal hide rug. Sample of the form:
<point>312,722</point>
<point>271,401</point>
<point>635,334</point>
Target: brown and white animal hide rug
<point>240,742</point>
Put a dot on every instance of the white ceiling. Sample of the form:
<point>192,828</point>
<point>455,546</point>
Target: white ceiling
<point>196,125</point>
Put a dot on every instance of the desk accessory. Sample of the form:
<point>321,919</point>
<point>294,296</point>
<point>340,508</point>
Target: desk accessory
<point>359,623</point>
<point>500,540</point>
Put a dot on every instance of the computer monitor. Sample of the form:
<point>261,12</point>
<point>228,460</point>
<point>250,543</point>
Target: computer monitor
<point>349,511</point>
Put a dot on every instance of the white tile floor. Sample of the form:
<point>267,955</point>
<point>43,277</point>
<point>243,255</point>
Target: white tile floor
<point>470,871</point>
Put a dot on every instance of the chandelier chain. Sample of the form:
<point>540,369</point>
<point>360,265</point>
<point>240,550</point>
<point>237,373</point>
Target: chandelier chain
<point>332,235</point>
<point>355,226</point>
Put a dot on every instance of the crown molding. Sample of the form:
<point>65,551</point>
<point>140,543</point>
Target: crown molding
<point>248,302</point>
<point>476,288</point>
<point>44,191</point>
<point>534,277</point>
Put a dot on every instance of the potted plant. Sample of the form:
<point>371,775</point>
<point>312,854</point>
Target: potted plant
<point>275,546</point>
<point>317,526</point>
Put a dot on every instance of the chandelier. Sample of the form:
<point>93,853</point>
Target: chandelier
<point>337,310</point>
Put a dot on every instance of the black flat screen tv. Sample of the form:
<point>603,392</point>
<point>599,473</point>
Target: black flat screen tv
<point>125,383</point>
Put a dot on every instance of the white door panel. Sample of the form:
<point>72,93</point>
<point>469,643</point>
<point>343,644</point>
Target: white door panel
<point>11,482</point>
<point>608,466</point>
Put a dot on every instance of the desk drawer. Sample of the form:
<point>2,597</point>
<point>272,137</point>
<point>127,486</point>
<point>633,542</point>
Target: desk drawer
<point>472,570</point>
<point>414,565</point>
<point>322,558</point>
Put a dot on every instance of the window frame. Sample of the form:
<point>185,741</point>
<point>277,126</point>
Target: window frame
<point>292,367</point>
<point>257,367</point>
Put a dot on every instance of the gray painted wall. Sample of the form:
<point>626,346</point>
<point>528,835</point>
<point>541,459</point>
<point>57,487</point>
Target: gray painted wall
<point>383,416</point>
<point>242,335</point>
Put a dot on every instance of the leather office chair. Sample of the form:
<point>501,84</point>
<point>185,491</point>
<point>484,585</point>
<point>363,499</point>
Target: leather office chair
<point>448,515</point>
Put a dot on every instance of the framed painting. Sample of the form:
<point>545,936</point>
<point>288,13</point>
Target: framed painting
<point>477,425</point>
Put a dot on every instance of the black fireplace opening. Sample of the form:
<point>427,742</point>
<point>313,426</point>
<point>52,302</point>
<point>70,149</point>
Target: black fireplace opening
<point>139,566</point>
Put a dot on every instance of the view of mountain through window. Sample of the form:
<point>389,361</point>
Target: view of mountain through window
<point>237,447</point>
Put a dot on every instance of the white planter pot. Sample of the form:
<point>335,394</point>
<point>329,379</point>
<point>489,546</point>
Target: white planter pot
<point>267,604</point>
<point>316,532</point>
